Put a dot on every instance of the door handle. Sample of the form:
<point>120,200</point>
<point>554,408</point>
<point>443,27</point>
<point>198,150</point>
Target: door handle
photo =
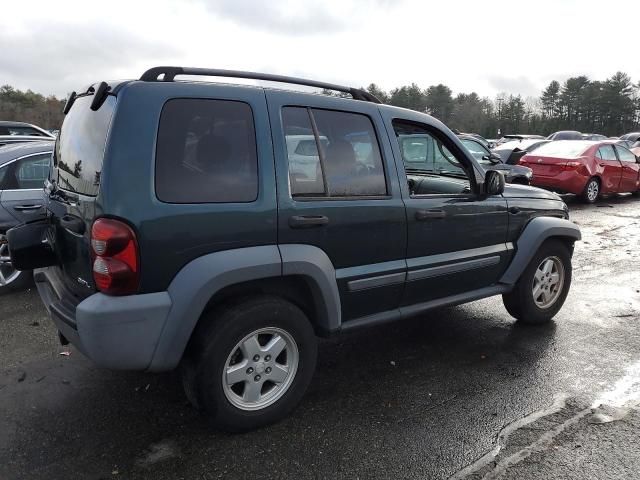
<point>427,214</point>
<point>514,210</point>
<point>73,224</point>
<point>308,221</point>
<point>21,208</point>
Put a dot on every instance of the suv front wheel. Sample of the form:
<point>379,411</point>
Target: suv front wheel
<point>252,363</point>
<point>543,286</point>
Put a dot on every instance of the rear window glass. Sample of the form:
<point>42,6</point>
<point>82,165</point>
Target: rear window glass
<point>563,148</point>
<point>206,152</point>
<point>80,146</point>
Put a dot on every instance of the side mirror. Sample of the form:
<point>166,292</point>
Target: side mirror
<point>493,183</point>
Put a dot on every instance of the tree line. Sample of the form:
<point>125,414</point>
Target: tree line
<point>30,107</point>
<point>610,107</point>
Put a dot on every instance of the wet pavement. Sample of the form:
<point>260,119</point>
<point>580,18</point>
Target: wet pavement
<point>461,392</point>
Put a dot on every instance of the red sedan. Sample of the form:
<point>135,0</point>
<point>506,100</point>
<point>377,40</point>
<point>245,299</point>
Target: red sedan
<point>586,168</point>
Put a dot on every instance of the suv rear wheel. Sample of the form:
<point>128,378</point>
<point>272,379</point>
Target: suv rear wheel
<point>251,364</point>
<point>543,286</point>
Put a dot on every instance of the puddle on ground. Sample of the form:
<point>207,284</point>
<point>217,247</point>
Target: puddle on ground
<point>625,392</point>
<point>537,431</point>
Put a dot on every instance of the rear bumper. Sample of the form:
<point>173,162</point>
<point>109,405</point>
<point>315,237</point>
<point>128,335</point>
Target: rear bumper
<point>564,182</point>
<point>114,332</point>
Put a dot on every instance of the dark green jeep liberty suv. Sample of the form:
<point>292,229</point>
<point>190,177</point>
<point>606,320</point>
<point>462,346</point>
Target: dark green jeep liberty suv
<point>221,228</point>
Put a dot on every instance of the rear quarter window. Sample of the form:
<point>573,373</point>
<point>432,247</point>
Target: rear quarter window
<point>206,152</point>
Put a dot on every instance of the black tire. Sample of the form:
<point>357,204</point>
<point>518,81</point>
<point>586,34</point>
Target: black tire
<point>520,302</point>
<point>586,195</point>
<point>217,339</point>
<point>23,281</point>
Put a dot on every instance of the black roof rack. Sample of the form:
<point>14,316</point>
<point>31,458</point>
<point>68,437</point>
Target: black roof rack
<point>169,74</point>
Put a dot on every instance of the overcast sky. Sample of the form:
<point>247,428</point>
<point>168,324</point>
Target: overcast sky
<point>490,46</point>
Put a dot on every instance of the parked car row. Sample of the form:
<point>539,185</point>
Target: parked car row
<point>492,160</point>
<point>588,165</point>
<point>586,168</point>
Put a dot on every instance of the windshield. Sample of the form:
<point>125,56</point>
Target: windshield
<point>563,148</point>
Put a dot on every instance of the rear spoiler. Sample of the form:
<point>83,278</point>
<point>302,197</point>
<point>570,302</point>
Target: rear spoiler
<point>99,96</point>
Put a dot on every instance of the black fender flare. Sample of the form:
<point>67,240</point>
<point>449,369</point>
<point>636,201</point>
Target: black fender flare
<point>536,232</point>
<point>198,281</point>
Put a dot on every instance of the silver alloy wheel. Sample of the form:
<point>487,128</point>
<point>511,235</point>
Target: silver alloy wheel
<point>592,190</point>
<point>548,282</point>
<point>8,274</point>
<point>260,369</point>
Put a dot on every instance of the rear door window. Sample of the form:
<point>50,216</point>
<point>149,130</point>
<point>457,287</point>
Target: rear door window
<point>305,172</point>
<point>332,154</point>
<point>26,173</point>
<point>32,171</point>
<point>206,152</point>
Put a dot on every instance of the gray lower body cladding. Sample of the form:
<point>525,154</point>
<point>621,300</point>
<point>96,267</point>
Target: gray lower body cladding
<point>151,331</point>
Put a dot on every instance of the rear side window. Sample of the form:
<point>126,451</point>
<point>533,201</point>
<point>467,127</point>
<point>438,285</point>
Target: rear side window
<point>206,152</point>
<point>606,152</point>
<point>625,155</point>
<point>332,154</point>
<point>80,146</point>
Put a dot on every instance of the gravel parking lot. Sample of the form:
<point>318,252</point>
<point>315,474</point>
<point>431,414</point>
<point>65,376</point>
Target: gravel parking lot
<point>433,397</point>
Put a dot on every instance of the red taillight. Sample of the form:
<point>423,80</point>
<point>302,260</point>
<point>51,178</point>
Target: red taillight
<point>572,165</point>
<point>115,257</point>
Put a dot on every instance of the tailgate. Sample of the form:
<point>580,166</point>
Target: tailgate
<point>77,167</point>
